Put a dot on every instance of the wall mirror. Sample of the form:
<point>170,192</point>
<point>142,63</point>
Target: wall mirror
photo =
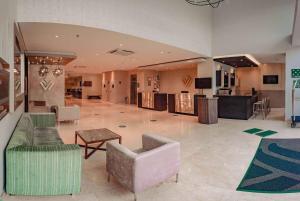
<point>4,88</point>
<point>18,91</point>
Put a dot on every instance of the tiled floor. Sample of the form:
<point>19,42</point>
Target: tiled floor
<point>214,157</point>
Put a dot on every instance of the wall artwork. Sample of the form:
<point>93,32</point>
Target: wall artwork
<point>187,81</point>
<point>47,84</point>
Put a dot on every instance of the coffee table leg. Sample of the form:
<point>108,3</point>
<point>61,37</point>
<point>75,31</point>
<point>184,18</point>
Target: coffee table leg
<point>120,140</point>
<point>86,151</point>
<point>75,138</point>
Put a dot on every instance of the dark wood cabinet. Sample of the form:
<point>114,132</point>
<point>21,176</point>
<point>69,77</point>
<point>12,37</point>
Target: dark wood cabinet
<point>160,102</point>
<point>171,103</point>
<point>208,110</point>
<point>140,99</point>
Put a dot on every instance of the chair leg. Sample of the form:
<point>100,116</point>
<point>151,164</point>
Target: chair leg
<point>108,178</point>
<point>135,198</point>
<point>177,177</point>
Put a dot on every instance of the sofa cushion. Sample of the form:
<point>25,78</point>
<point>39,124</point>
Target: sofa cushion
<point>46,136</point>
<point>19,138</point>
<point>25,124</point>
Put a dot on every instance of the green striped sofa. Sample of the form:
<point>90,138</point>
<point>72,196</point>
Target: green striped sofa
<point>37,160</point>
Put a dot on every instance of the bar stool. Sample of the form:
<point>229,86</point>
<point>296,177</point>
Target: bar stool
<point>260,107</point>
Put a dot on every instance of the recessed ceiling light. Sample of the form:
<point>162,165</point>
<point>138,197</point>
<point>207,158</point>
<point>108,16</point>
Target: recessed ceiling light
<point>121,45</point>
<point>162,52</point>
<point>57,36</point>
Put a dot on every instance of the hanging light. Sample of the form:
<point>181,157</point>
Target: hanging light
<point>43,71</point>
<point>58,70</point>
<point>212,3</point>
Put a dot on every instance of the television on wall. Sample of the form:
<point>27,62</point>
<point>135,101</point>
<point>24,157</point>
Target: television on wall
<point>270,79</point>
<point>203,83</point>
<point>4,88</point>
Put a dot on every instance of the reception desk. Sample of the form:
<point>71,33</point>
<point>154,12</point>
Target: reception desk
<point>153,101</point>
<point>236,107</point>
<point>183,103</point>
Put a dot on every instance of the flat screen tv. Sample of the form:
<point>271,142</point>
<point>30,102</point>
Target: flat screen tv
<point>270,79</point>
<point>203,83</point>
<point>4,89</point>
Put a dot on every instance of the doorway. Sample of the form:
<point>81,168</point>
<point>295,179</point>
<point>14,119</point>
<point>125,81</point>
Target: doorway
<point>133,89</point>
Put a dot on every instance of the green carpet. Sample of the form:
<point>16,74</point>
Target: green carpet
<point>260,132</point>
<point>275,168</point>
<point>266,133</point>
<point>253,130</point>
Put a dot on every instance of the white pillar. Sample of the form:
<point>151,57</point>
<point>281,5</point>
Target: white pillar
<point>292,62</point>
<point>208,69</point>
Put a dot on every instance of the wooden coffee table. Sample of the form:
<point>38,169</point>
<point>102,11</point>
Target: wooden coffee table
<point>95,136</point>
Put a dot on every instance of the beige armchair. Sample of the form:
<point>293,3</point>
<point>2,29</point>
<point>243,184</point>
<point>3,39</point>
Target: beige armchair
<point>158,160</point>
<point>68,113</point>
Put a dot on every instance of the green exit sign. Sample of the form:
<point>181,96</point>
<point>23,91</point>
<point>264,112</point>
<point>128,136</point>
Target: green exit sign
<point>296,73</point>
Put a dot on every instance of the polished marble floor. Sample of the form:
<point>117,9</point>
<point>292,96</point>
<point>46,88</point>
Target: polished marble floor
<point>214,157</point>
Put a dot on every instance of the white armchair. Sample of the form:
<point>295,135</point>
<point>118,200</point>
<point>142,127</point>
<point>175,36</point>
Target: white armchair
<point>68,113</point>
<point>158,160</point>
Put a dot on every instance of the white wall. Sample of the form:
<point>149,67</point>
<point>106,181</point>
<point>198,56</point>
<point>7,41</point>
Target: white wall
<point>292,62</point>
<point>252,26</point>
<point>120,81</point>
<point>95,89</point>
<point>8,123</point>
<point>173,22</point>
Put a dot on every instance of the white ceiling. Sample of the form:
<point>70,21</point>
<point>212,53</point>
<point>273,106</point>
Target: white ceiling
<point>92,45</point>
<point>270,58</point>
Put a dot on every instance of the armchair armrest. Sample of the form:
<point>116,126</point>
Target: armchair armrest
<point>155,166</point>
<point>151,141</point>
<point>120,163</point>
<point>43,120</point>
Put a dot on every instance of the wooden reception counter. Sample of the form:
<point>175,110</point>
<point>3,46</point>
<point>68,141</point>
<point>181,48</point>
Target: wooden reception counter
<point>183,103</point>
<point>153,101</point>
<point>236,107</point>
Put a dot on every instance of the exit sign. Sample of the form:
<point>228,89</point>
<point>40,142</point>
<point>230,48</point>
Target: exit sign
<point>296,73</point>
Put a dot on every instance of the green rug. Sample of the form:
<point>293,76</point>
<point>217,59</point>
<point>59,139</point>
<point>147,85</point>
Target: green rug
<point>266,133</point>
<point>275,168</point>
<point>253,130</point>
<point>260,132</point>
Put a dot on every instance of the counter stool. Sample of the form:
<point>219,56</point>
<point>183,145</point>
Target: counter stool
<point>260,107</point>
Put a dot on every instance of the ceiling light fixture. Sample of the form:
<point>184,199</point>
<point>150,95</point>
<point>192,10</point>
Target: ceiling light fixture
<point>57,36</point>
<point>58,70</point>
<point>212,3</point>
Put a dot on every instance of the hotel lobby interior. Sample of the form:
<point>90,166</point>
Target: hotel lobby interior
<point>149,100</point>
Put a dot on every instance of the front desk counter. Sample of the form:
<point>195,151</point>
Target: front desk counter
<point>236,107</point>
<point>183,103</point>
<point>153,101</point>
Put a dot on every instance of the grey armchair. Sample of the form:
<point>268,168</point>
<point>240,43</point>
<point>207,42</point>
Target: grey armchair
<point>158,160</point>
